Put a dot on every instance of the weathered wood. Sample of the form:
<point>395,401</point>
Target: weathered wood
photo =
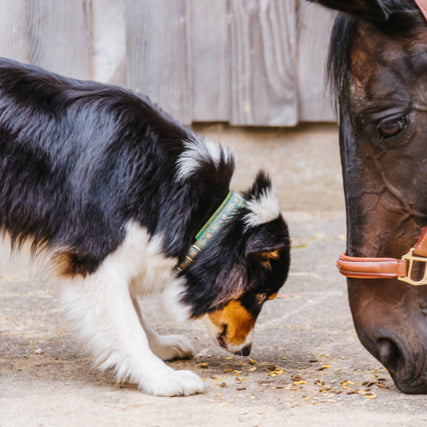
<point>59,36</point>
<point>263,62</point>
<point>247,62</point>
<point>109,41</point>
<point>158,59</point>
<point>14,30</point>
<point>210,60</point>
<point>314,28</point>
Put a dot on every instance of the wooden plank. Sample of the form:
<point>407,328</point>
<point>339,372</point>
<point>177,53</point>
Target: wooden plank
<point>314,28</point>
<point>249,62</point>
<point>263,62</point>
<point>158,57</point>
<point>14,30</point>
<point>210,60</point>
<point>109,41</point>
<point>60,37</point>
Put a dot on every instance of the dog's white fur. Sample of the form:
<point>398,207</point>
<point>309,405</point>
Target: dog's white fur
<point>104,310</point>
<point>196,151</point>
<point>262,209</point>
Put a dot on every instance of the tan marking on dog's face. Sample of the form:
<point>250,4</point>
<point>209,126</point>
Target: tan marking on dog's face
<point>239,323</point>
<point>272,296</point>
<point>266,257</point>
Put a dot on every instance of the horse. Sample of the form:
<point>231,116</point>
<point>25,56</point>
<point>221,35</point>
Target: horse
<point>377,67</point>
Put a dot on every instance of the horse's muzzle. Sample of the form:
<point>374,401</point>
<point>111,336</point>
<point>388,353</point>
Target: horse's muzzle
<point>409,375</point>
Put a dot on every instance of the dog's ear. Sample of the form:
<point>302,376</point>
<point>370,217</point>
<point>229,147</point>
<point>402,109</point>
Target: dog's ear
<point>261,185</point>
<point>262,205</point>
<point>268,233</point>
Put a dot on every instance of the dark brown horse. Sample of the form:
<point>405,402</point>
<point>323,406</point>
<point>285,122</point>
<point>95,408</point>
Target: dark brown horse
<point>378,67</point>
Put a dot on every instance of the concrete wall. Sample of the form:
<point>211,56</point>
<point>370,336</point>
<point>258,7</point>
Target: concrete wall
<point>303,162</point>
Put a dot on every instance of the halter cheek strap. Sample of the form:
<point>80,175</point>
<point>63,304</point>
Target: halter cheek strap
<point>422,5</point>
<point>387,268</point>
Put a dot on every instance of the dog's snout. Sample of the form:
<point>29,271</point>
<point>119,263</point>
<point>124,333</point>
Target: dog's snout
<point>245,351</point>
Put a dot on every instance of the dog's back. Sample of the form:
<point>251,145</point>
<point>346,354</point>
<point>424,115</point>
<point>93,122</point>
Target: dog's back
<point>78,160</point>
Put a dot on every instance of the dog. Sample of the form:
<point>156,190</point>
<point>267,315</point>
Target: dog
<point>110,193</point>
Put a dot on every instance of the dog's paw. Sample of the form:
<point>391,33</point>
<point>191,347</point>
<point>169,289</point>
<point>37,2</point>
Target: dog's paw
<point>169,347</point>
<point>175,383</point>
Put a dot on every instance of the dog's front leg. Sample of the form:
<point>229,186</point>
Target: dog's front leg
<point>167,347</point>
<point>101,309</point>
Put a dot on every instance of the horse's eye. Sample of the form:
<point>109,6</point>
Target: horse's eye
<point>392,127</point>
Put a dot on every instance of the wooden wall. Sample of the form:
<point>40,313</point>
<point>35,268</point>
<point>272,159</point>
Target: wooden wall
<point>246,62</point>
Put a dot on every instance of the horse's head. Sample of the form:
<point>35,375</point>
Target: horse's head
<point>378,65</point>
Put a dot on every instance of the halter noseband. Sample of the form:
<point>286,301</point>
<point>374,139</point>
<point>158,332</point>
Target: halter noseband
<point>387,268</point>
<point>422,5</point>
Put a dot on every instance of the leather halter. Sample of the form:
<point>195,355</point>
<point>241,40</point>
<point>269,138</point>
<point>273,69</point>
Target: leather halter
<point>388,268</point>
<point>422,5</point>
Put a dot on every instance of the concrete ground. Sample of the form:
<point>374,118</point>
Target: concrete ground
<point>307,366</point>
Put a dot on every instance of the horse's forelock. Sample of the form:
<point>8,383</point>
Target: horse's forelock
<point>339,55</point>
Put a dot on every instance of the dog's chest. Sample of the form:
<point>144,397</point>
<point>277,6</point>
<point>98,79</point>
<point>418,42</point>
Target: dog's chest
<point>142,260</point>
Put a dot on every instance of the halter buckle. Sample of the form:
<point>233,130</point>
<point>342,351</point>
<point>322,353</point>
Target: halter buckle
<point>411,258</point>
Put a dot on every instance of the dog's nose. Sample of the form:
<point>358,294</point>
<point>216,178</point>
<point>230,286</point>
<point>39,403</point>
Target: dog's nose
<point>245,351</point>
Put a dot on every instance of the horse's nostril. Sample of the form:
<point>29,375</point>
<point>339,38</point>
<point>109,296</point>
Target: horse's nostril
<point>388,353</point>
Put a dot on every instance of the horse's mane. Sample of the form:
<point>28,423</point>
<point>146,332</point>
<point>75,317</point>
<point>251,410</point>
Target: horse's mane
<point>402,16</point>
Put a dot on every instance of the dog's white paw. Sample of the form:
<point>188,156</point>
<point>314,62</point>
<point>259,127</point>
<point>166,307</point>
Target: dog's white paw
<point>174,383</point>
<point>170,347</point>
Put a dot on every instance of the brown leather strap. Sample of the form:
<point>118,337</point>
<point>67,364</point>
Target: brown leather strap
<point>422,5</point>
<point>363,268</point>
<point>372,268</point>
<point>420,248</point>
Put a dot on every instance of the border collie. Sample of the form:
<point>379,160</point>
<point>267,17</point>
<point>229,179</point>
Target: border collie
<point>110,192</point>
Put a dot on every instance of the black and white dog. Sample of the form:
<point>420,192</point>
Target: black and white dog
<point>110,192</point>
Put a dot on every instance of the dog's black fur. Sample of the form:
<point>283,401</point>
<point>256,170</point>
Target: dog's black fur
<point>80,160</point>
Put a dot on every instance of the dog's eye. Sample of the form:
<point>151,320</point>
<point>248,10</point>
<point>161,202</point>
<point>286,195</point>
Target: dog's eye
<point>260,298</point>
<point>392,127</point>
<point>266,257</point>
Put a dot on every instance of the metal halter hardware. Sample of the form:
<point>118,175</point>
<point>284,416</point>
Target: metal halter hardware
<point>411,258</point>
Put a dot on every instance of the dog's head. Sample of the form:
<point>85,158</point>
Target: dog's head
<point>243,267</point>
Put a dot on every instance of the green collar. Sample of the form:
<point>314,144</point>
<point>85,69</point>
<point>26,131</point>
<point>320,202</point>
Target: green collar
<point>226,211</point>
